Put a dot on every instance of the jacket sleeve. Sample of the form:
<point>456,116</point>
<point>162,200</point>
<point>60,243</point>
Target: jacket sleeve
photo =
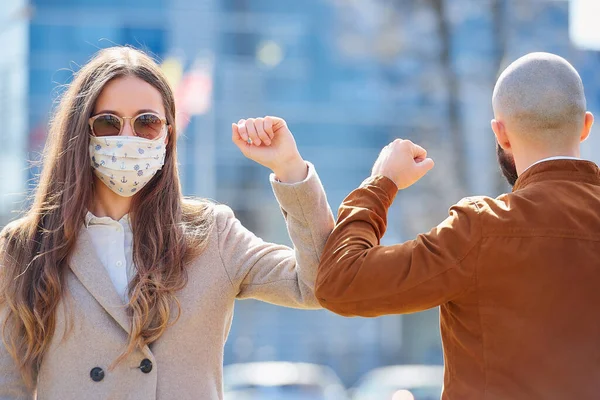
<point>275,273</point>
<point>359,277</point>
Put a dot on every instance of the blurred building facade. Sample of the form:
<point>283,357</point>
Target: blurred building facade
<point>349,77</point>
<point>13,97</point>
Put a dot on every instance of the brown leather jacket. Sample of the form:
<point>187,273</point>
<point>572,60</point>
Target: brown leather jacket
<point>517,279</point>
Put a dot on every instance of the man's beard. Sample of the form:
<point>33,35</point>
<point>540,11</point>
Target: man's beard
<point>507,165</point>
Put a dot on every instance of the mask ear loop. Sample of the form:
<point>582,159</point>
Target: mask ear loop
<point>165,135</point>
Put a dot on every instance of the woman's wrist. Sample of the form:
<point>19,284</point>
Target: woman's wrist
<point>293,171</point>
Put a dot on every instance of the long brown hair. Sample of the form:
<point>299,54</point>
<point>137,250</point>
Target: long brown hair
<point>34,251</point>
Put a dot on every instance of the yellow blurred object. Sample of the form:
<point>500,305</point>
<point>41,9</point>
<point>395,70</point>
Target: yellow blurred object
<point>173,69</point>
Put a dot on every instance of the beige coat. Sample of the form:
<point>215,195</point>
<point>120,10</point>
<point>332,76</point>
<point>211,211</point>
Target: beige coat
<point>186,362</point>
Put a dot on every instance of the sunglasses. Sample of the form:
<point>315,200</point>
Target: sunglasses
<point>146,125</point>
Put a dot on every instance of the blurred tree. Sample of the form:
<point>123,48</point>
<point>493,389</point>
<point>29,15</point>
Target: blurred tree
<point>248,177</point>
<point>498,9</point>
<point>452,82</point>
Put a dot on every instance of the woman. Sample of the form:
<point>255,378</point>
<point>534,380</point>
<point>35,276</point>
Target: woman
<point>113,286</point>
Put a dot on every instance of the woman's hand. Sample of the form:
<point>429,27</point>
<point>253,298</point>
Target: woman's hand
<point>269,142</point>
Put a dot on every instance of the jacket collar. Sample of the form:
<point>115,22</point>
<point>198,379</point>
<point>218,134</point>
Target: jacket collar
<point>563,169</point>
<point>91,273</point>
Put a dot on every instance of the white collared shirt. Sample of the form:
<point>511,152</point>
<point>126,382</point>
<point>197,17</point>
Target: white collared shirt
<point>113,241</point>
<point>552,158</point>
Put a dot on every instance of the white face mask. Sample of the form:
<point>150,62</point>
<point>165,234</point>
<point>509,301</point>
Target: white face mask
<point>126,163</point>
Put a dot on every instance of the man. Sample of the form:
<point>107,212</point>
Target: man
<point>517,277</point>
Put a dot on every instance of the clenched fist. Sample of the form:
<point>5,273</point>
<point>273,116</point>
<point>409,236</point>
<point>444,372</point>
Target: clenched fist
<point>269,142</point>
<point>403,162</point>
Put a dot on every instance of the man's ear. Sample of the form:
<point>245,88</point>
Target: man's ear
<point>501,136</point>
<point>587,126</point>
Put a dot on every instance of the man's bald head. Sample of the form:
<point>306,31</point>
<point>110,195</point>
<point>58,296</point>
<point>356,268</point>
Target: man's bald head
<point>540,97</point>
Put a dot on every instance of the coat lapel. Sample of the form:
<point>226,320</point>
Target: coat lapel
<point>91,273</point>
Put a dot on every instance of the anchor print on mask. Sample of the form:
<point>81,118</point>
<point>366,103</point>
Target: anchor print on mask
<point>127,173</point>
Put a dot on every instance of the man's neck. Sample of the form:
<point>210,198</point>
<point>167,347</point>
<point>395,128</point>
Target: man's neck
<point>523,162</point>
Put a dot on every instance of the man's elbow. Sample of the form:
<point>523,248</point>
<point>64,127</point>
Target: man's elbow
<point>337,308</point>
<point>347,309</point>
<point>327,282</point>
<point>331,294</point>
